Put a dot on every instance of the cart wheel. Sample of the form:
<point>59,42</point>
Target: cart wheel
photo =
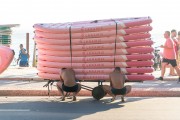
<point>98,92</point>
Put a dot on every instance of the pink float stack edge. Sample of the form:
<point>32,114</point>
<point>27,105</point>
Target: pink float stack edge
<point>6,57</point>
<point>94,48</point>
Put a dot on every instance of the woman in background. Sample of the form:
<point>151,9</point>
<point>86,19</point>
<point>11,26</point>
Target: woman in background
<point>23,57</point>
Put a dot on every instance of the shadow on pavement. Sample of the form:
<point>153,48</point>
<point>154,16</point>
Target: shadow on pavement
<point>53,108</point>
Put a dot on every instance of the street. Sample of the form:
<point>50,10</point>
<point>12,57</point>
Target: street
<point>86,108</point>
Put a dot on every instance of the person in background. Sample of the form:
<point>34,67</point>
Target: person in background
<point>23,57</point>
<point>173,37</point>
<point>117,80</point>
<point>169,55</point>
<point>68,83</point>
<point>178,53</point>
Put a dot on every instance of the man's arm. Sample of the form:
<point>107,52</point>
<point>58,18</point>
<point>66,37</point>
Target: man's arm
<point>61,79</point>
<point>111,84</point>
<point>166,47</point>
<point>168,44</point>
<point>110,80</point>
<point>124,79</point>
<point>77,80</point>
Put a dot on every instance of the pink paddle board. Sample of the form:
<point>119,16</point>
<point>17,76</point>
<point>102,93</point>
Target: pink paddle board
<point>6,56</point>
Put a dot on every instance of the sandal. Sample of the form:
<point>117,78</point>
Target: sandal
<point>63,98</point>
<point>74,98</point>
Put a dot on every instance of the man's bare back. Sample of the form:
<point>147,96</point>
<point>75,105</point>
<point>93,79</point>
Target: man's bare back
<point>68,83</point>
<point>68,76</point>
<point>117,80</point>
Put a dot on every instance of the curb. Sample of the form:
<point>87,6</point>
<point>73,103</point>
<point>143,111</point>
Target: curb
<point>38,93</point>
<point>134,93</point>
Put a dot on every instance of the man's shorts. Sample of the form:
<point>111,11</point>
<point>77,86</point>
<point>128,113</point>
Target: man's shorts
<point>121,91</point>
<point>70,89</point>
<point>170,61</point>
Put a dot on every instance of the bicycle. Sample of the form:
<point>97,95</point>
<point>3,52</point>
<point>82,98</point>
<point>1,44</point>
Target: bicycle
<point>157,59</point>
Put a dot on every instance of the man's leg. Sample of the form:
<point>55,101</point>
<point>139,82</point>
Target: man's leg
<point>163,69</point>
<point>107,89</point>
<point>75,93</point>
<point>178,72</point>
<point>128,89</point>
<point>122,98</point>
<point>174,64</point>
<point>172,72</point>
<point>59,87</point>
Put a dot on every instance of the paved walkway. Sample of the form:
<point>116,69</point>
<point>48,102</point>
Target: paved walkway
<point>25,82</point>
<point>86,108</point>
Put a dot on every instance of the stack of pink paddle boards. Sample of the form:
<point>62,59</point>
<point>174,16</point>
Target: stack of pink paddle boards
<point>94,48</point>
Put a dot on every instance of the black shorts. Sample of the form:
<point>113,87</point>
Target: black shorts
<point>170,61</point>
<point>70,89</point>
<point>121,91</point>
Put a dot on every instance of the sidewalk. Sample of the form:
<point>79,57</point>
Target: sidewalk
<point>16,82</point>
